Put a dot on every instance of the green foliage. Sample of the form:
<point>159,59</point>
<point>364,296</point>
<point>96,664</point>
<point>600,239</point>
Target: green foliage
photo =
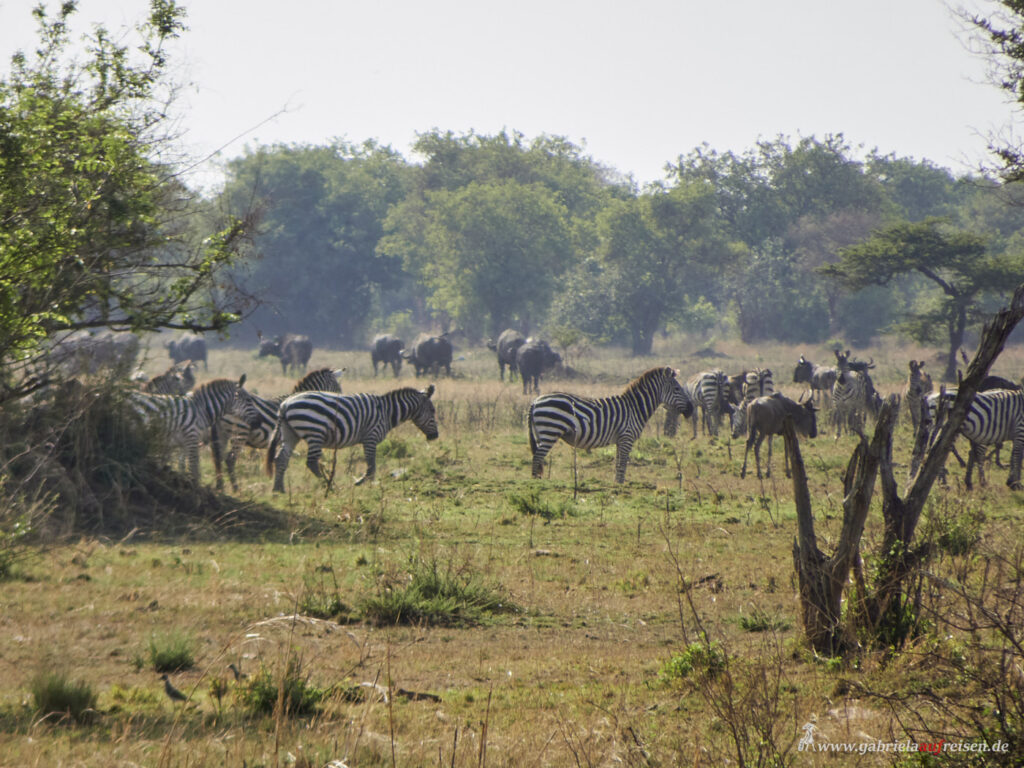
<point>704,659</point>
<point>321,597</point>
<point>261,692</point>
<point>15,527</point>
<point>53,693</point>
<point>531,504</point>
<point>760,620</point>
<point>430,595</point>
<point>171,652</point>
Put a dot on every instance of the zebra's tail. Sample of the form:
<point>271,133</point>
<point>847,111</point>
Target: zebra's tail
<point>275,440</point>
<point>533,437</point>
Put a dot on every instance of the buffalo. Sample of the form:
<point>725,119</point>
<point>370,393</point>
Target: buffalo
<point>387,349</point>
<point>765,417</point>
<point>292,349</point>
<point>532,359</point>
<point>188,346</point>
<point>89,352</point>
<point>430,353</point>
<point>506,347</point>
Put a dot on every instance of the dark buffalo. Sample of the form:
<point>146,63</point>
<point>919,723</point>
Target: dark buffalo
<point>188,346</point>
<point>534,358</point>
<point>89,352</point>
<point>292,349</point>
<point>387,349</point>
<point>506,347</point>
<point>430,353</point>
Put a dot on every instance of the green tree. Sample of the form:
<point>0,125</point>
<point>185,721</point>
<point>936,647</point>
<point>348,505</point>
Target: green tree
<point>322,214</point>
<point>489,253</point>
<point>91,229</point>
<point>956,262</point>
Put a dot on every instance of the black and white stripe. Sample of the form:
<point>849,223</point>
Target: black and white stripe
<point>185,419</point>
<point>709,392</point>
<point>587,422</point>
<point>919,384</point>
<point>757,382</point>
<point>850,396</point>
<point>255,430</point>
<point>327,420</point>
<point>176,380</point>
<point>994,416</point>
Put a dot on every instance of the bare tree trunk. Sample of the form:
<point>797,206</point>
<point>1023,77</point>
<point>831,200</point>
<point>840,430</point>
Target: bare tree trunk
<point>822,579</point>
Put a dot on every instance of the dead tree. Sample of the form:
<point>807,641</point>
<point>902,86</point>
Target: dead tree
<point>823,579</point>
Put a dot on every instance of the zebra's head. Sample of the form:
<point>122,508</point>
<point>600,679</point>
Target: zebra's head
<point>673,396</point>
<point>243,407</point>
<point>423,415</point>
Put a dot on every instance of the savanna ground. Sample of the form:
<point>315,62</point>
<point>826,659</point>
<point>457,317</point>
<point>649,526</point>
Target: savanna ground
<point>569,666</point>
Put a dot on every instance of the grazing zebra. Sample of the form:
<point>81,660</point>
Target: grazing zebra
<point>757,382</point>
<point>586,422</point>
<point>852,395</point>
<point>708,391</point>
<point>176,380</point>
<point>820,378</point>
<point>184,419</point>
<point>994,416</point>
<point>327,420</point>
<point>255,432</point>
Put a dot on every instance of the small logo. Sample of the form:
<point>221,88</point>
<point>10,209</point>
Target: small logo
<point>807,739</point>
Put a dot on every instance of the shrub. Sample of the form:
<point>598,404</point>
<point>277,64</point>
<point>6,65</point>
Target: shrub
<point>171,652</point>
<point>53,693</point>
<point>705,658</point>
<point>260,692</point>
<point>321,597</point>
<point>760,621</point>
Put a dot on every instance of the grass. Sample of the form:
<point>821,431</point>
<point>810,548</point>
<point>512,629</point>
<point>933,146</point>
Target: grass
<point>407,584</point>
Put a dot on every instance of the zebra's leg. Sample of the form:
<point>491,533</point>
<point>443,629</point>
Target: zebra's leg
<point>192,456</point>
<point>288,441</point>
<point>1013,480</point>
<point>622,450</point>
<point>314,450</point>
<point>370,452</point>
<point>540,452</point>
<point>975,457</point>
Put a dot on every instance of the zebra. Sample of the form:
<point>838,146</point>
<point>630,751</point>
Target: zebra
<point>586,422</point>
<point>919,384</point>
<point>820,378</point>
<point>256,432</point>
<point>757,382</point>
<point>708,391</point>
<point>184,419</point>
<point>852,394</point>
<point>994,416</point>
<point>328,420</point>
<point>176,380</point>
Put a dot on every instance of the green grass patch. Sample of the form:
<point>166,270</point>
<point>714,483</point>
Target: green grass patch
<point>171,651</point>
<point>53,693</point>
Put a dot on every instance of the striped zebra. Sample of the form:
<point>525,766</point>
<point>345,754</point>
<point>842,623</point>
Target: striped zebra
<point>709,392</point>
<point>919,384</point>
<point>852,395</point>
<point>994,416</point>
<point>256,431</point>
<point>820,378</point>
<point>586,422</point>
<point>757,382</point>
<point>176,380</point>
<point>185,419</point>
<point>328,420</point>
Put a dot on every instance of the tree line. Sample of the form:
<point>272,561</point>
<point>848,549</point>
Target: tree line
<point>794,241</point>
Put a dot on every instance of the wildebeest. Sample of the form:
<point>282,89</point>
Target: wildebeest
<point>387,349</point>
<point>534,358</point>
<point>89,352</point>
<point>188,346</point>
<point>765,416</point>
<point>292,349</point>
<point>508,343</point>
<point>430,353</point>
<point>820,378</point>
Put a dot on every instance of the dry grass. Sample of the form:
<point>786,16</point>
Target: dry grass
<point>570,679</point>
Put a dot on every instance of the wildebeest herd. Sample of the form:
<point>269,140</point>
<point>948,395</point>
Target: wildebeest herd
<point>222,413</point>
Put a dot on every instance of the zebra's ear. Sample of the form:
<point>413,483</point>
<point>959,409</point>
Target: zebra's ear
<point>241,381</point>
<point>429,391</point>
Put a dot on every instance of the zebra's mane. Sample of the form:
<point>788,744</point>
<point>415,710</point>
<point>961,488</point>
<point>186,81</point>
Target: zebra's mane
<point>214,385</point>
<point>303,383</point>
<point>403,391</point>
<point>647,376</point>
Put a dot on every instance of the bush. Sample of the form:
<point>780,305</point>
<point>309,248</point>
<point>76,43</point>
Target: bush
<point>705,658</point>
<point>171,652</point>
<point>53,693</point>
<point>260,692</point>
<point>760,621</point>
<point>321,597</point>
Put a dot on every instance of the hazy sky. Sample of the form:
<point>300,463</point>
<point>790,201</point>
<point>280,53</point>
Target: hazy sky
<point>635,83</point>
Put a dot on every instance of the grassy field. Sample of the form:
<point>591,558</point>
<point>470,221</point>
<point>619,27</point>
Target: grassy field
<point>565,637</point>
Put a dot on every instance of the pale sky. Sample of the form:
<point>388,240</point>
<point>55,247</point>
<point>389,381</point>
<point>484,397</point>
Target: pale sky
<point>635,83</point>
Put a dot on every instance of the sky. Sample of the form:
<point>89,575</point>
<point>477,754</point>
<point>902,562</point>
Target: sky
<point>636,84</point>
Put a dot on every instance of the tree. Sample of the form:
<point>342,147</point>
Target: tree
<point>93,228</point>
<point>955,261</point>
<point>322,216</point>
